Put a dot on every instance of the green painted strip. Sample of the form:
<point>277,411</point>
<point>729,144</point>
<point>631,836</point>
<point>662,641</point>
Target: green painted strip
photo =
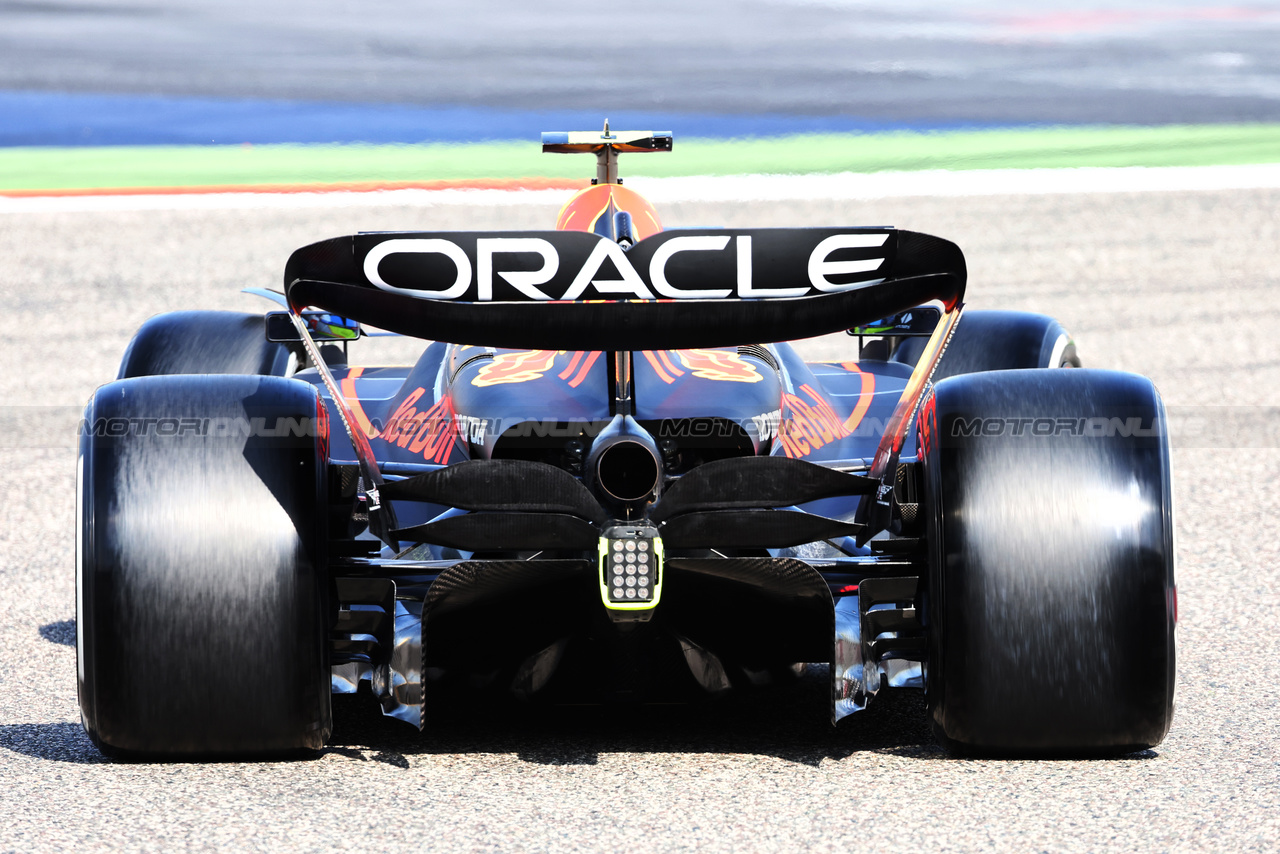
<point>175,166</point>
<point>1186,145</point>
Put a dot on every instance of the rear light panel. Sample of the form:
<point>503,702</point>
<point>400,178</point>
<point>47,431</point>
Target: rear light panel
<point>630,568</point>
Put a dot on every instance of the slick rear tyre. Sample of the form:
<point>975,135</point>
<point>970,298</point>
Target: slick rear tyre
<point>1051,586</point>
<point>204,342</point>
<point>200,578</point>
<point>998,341</point>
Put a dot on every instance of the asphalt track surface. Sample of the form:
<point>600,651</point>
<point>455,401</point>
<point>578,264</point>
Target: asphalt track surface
<point>1179,286</point>
<point>319,69</point>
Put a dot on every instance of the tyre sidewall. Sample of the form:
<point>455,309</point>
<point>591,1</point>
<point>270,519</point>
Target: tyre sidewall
<point>1061,663</point>
<point>201,589</point>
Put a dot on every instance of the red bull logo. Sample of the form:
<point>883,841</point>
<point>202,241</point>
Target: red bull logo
<point>429,432</point>
<point>518,367</point>
<point>810,424</point>
<point>724,365</point>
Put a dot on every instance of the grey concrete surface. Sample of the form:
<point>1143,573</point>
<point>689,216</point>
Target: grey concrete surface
<point>1180,286</point>
<point>990,61</point>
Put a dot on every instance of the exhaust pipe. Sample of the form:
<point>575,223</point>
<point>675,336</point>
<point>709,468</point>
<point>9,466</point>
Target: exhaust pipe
<point>624,467</point>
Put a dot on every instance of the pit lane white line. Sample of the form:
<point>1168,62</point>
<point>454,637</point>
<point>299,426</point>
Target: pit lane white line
<point>730,188</point>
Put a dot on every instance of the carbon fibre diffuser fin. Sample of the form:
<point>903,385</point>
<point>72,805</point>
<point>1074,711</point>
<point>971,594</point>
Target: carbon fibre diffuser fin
<point>742,482</point>
<point>488,531</point>
<point>514,485</point>
<point>751,529</point>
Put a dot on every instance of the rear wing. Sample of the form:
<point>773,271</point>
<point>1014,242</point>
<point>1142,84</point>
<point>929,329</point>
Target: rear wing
<point>578,290</point>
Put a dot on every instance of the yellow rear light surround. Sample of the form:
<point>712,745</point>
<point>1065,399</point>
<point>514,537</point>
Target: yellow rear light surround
<point>630,568</point>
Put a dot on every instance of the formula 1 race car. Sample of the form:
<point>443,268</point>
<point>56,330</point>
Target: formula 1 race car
<point>607,480</point>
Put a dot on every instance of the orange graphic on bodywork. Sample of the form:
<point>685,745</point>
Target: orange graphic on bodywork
<point>348,389</point>
<point>723,365</point>
<point>583,211</point>
<point>518,367</point>
<point>662,365</point>
<point>864,396</point>
<point>585,370</point>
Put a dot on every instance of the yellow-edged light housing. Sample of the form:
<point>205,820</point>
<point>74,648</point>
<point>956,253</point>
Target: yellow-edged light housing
<point>630,568</point>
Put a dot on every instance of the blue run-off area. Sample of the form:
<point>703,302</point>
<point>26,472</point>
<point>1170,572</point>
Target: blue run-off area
<point>76,119</point>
